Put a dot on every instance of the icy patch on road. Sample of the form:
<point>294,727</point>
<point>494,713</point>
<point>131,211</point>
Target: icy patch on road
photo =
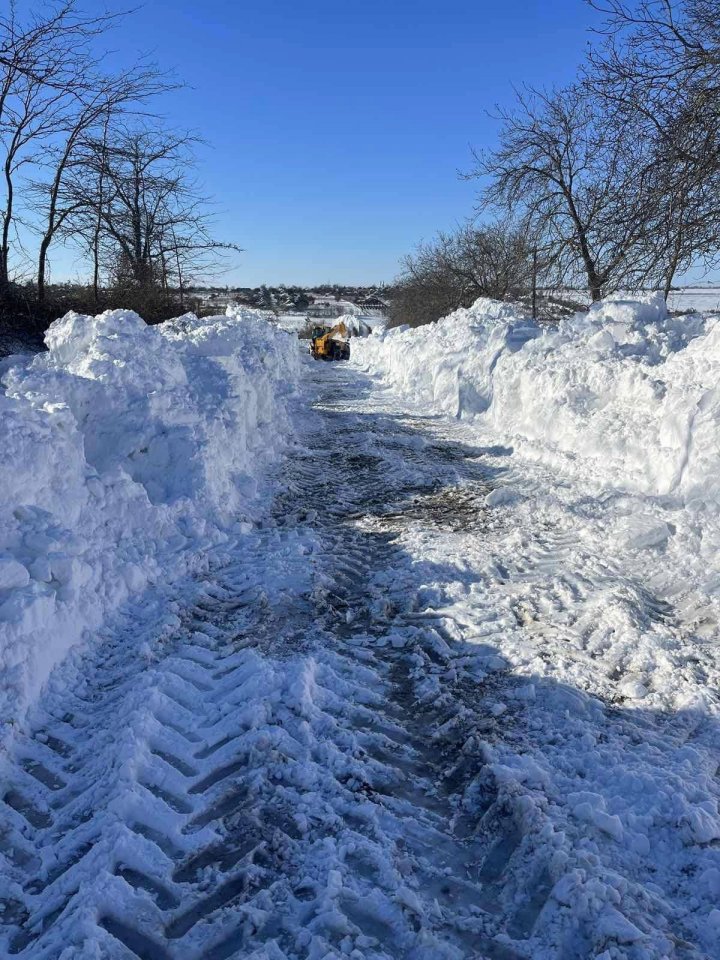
<point>128,451</point>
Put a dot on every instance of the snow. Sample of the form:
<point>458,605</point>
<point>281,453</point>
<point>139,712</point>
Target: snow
<point>595,576</point>
<point>591,398</point>
<point>293,322</point>
<point>129,451</point>
<point>357,323</point>
<point>700,299</point>
<point>451,693</point>
<point>344,307</point>
<point>361,324</point>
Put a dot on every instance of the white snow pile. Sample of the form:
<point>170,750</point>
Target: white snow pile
<point>128,451</point>
<point>624,394</point>
<point>292,322</point>
<point>361,325</point>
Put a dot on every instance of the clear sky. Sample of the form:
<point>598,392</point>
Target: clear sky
<point>336,129</point>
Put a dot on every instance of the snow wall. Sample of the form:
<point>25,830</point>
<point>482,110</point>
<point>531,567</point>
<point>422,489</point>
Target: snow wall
<point>128,451</point>
<point>624,395</point>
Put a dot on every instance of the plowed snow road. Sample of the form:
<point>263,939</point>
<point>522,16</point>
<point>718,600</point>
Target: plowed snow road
<point>348,742</point>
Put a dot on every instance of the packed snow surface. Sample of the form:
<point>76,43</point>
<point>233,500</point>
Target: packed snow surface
<point>128,451</point>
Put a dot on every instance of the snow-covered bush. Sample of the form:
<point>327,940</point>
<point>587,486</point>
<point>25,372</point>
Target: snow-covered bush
<point>127,450</point>
<point>624,394</point>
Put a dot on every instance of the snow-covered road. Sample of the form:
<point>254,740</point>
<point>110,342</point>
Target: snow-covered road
<point>405,721</point>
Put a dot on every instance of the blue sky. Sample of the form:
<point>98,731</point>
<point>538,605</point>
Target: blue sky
<point>336,130</point>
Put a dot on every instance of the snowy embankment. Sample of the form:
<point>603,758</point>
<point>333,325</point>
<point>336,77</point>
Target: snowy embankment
<point>625,395</point>
<point>616,413</point>
<point>128,451</point>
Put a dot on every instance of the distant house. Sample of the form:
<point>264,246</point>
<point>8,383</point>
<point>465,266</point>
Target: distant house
<point>327,308</point>
<point>374,304</point>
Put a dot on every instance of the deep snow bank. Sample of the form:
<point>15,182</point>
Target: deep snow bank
<point>128,450</point>
<point>624,394</point>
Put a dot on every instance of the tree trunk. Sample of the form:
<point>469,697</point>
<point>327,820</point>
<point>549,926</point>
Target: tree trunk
<point>100,202</point>
<point>180,277</point>
<point>96,264</point>
<point>42,261</point>
<point>5,243</point>
<point>672,266</point>
<point>594,281</point>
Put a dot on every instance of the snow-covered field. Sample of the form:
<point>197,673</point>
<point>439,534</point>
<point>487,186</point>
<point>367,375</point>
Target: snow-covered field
<point>682,300</point>
<point>128,452</point>
<point>449,694</point>
<point>702,299</point>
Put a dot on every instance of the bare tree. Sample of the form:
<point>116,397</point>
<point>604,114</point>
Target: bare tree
<point>84,162</point>
<point>577,179</point>
<point>493,260</point>
<point>658,68</point>
<point>662,58</point>
<point>131,196</point>
<point>44,65</point>
<point>87,119</point>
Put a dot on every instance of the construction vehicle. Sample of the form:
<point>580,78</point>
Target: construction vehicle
<point>333,344</point>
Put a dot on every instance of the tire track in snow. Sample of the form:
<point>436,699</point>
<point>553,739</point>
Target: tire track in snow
<point>302,765</point>
<point>261,777</point>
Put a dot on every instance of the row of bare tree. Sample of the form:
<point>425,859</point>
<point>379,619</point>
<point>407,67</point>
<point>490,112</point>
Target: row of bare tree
<point>611,183</point>
<point>456,268</point>
<point>86,162</point>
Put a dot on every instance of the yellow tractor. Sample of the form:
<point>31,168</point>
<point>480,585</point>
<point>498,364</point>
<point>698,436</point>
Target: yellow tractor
<point>333,344</point>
